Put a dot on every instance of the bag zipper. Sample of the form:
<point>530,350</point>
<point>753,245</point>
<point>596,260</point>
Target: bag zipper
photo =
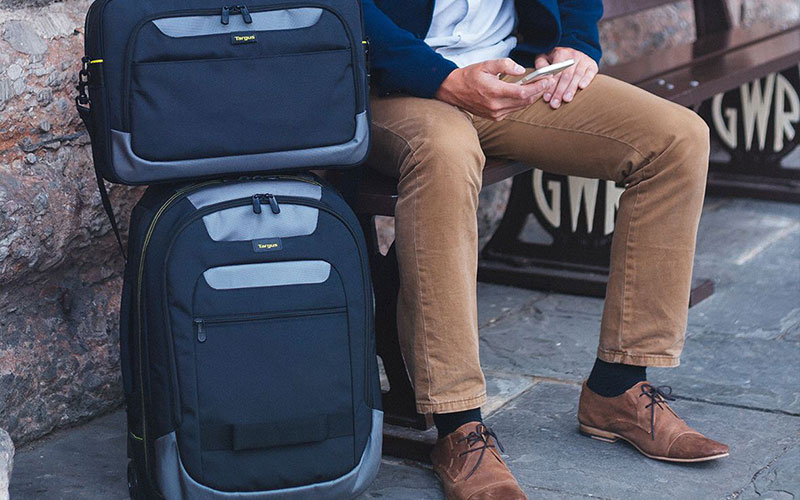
<point>291,200</point>
<point>140,278</point>
<point>126,71</point>
<point>201,323</point>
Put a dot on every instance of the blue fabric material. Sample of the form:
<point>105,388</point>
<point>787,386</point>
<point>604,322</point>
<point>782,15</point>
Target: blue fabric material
<point>401,61</point>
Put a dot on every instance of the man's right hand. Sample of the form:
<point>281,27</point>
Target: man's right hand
<point>476,88</point>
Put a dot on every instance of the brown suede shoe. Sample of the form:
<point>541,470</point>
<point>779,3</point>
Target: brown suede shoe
<point>642,417</point>
<point>470,468</point>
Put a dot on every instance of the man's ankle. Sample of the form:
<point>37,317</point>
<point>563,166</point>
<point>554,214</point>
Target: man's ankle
<point>612,379</point>
<point>449,422</point>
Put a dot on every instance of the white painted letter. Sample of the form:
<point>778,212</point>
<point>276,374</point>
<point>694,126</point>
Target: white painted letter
<point>784,119</point>
<point>577,187</point>
<point>551,213</point>
<point>726,132</point>
<point>755,110</point>
<point>612,204</point>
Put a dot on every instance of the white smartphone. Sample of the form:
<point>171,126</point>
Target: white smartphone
<point>547,70</point>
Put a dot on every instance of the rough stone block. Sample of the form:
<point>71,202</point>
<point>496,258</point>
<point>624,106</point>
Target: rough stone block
<point>6,462</point>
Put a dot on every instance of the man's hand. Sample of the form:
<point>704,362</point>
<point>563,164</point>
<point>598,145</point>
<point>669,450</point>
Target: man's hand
<point>577,76</point>
<point>477,89</point>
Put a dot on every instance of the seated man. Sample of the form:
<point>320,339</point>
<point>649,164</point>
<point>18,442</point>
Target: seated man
<point>440,106</point>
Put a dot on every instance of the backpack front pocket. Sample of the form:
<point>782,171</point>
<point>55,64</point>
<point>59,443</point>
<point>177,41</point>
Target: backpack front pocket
<point>298,399</point>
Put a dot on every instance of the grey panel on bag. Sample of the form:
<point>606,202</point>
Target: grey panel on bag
<point>288,19</point>
<point>299,272</point>
<point>134,170</point>
<point>242,224</point>
<point>175,483</point>
<point>234,190</point>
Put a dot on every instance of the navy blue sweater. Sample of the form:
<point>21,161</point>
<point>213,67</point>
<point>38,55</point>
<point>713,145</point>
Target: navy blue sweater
<point>401,61</point>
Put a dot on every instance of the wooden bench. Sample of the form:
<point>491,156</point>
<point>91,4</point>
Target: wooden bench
<point>722,58</point>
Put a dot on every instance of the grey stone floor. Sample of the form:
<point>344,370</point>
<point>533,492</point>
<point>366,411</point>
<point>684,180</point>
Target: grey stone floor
<point>739,382</point>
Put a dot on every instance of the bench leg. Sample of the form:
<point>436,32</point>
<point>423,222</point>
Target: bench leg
<point>398,402</point>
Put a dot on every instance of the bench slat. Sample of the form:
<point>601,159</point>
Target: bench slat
<point>664,61</point>
<point>726,71</point>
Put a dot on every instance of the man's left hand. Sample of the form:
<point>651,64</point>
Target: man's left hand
<point>577,76</point>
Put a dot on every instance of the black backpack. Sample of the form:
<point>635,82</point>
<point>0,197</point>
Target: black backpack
<point>247,346</point>
<point>182,89</point>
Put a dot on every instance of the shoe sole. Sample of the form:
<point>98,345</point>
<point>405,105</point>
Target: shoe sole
<point>612,437</point>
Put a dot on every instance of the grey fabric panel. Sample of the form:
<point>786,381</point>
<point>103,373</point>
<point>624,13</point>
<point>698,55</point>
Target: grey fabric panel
<point>178,27</point>
<point>242,224</point>
<point>134,170</point>
<point>297,272</point>
<point>175,483</point>
<point>243,189</point>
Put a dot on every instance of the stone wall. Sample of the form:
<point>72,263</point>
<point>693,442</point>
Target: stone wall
<point>59,266</point>
<point>60,271</point>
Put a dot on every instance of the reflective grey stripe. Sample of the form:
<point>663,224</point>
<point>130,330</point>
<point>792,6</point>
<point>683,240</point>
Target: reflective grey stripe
<point>175,483</point>
<point>297,272</point>
<point>242,224</point>
<point>134,170</point>
<point>242,189</point>
<point>288,19</point>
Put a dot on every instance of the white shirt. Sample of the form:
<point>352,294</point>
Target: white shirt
<point>472,31</point>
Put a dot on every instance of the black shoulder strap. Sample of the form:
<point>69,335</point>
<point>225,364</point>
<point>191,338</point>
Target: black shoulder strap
<point>109,211</point>
<point>85,113</point>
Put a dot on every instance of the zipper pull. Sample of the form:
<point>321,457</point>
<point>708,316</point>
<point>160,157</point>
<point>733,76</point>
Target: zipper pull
<point>256,203</point>
<point>273,204</point>
<point>226,15</point>
<point>245,14</point>
<point>201,330</point>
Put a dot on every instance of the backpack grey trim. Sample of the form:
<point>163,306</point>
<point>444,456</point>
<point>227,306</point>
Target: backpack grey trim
<point>288,19</point>
<point>242,224</point>
<point>298,272</point>
<point>175,483</point>
<point>232,190</point>
<point>132,169</point>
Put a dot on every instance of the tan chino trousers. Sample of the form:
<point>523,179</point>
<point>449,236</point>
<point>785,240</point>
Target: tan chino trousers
<point>611,130</point>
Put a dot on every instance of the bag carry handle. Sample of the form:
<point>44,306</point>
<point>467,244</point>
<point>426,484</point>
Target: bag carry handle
<point>83,103</point>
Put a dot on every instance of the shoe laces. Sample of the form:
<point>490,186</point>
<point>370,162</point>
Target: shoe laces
<point>658,396</point>
<point>481,434</point>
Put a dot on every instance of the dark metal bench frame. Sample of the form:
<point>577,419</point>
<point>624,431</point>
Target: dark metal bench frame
<point>722,58</point>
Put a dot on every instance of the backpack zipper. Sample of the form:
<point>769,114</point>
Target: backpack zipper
<point>202,323</point>
<point>139,280</point>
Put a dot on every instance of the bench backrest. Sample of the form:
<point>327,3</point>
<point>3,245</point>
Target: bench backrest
<point>711,16</point>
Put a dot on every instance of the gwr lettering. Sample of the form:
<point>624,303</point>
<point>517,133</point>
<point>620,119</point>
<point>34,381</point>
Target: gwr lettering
<point>756,103</point>
<point>582,192</point>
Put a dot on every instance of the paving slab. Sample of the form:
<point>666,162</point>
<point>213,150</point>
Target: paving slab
<point>502,388</point>
<point>404,481</point>
<point>498,301</point>
<point>547,454</point>
<point>776,481</point>
<point>746,372</point>
<point>86,462</point>
<point>714,367</point>
<point>541,343</point>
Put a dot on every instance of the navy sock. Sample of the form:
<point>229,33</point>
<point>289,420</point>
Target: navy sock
<point>612,379</point>
<point>448,422</point>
